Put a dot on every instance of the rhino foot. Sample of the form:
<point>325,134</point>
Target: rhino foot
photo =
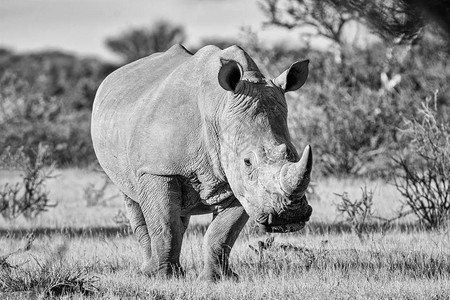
<point>166,270</point>
<point>214,276</point>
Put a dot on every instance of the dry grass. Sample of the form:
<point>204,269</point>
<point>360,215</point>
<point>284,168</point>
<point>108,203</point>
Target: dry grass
<point>325,261</point>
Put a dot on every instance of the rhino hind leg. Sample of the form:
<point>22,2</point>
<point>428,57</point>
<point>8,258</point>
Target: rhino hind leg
<point>160,203</point>
<point>139,226</point>
<point>219,239</point>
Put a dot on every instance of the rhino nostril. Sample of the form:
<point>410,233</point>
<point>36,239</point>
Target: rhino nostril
<point>270,219</point>
<point>262,218</point>
<point>294,200</point>
<point>292,203</point>
<point>290,155</point>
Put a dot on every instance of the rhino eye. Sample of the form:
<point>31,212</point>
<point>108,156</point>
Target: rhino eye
<point>250,161</point>
<point>250,169</point>
<point>247,162</point>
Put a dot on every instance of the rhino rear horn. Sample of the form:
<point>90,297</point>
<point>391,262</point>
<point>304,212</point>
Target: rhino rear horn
<point>230,74</point>
<point>293,78</point>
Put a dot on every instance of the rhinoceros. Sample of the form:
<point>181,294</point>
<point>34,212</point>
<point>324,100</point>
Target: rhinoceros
<point>183,134</point>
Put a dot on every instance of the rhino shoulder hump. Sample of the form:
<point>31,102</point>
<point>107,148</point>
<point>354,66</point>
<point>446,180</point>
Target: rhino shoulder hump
<point>209,49</point>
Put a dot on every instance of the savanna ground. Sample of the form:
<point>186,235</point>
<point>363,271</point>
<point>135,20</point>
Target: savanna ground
<point>81,251</point>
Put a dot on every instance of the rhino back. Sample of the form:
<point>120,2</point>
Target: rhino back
<point>133,118</point>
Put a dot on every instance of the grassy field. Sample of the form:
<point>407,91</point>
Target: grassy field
<point>80,250</point>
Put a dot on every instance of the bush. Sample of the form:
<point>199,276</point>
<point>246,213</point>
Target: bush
<point>97,195</point>
<point>358,213</point>
<point>28,198</point>
<point>424,177</point>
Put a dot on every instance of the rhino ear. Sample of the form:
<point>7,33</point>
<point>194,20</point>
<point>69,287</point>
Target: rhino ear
<point>230,74</point>
<point>293,78</point>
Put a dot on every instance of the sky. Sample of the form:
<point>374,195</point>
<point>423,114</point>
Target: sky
<point>81,26</point>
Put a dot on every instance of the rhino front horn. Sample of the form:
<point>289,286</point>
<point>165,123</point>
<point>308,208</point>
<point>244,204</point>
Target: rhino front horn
<point>295,177</point>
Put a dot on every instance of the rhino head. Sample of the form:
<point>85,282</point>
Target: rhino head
<point>262,166</point>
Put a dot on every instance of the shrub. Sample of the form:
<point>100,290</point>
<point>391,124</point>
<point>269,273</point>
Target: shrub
<point>28,198</point>
<point>97,195</point>
<point>121,219</point>
<point>357,213</point>
<point>424,172</point>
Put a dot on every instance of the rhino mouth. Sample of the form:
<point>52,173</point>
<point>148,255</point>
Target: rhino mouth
<point>285,221</point>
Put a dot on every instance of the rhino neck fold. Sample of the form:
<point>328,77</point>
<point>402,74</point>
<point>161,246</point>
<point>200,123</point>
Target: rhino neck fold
<point>211,148</point>
<point>208,179</point>
<point>205,172</point>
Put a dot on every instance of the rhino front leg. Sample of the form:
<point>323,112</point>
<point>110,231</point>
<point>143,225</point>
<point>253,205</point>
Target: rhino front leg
<point>219,239</point>
<point>160,201</point>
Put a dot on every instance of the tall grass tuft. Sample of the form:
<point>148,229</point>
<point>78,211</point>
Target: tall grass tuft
<point>54,277</point>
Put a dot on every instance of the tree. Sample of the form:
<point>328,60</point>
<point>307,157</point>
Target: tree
<point>141,42</point>
<point>402,19</point>
<point>326,17</point>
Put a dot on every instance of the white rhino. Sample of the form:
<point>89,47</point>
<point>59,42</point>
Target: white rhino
<point>183,134</point>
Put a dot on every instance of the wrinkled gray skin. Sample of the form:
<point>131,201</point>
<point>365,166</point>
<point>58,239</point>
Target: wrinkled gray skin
<point>184,134</point>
